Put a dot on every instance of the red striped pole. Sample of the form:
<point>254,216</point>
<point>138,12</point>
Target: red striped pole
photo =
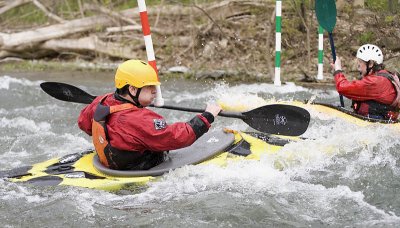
<point>159,101</point>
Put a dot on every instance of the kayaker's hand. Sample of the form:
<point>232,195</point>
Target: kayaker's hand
<point>213,109</point>
<point>337,65</point>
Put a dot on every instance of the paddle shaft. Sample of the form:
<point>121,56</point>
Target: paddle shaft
<point>197,110</point>
<point>334,60</point>
<point>274,119</point>
<point>85,98</point>
<point>326,16</point>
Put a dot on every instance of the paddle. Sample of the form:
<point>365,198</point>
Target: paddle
<point>326,16</point>
<point>274,119</point>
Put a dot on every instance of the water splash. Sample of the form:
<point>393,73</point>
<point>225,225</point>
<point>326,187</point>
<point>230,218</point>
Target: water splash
<point>5,82</point>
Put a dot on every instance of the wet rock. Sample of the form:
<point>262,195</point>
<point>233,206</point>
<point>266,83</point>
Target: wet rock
<point>217,74</point>
<point>178,69</point>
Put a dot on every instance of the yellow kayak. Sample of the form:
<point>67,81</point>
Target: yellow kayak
<point>84,170</point>
<point>347,115</point>
<point>317,109</point>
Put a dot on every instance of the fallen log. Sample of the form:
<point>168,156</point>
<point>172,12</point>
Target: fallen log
<point>28,39</point>
<point>20,41</point>
<point>92,44</point>
<point>232,8</point>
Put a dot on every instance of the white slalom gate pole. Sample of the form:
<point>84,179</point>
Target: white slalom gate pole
<point>320,74</point>
<point>159,101</point>
<point>278,21</point>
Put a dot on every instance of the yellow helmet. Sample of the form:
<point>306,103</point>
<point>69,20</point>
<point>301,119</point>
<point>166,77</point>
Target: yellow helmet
<point>135,73</point>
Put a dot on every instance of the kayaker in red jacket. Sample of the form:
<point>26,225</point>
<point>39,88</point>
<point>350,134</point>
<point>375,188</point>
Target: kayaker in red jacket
<point>127,135</point>
<point>375,94</point>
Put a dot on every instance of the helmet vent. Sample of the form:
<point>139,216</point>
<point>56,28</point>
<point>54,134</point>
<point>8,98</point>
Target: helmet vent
<point>143,63</point>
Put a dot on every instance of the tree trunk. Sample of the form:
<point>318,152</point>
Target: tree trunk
<point>91,44</point>
<point>28,39</point>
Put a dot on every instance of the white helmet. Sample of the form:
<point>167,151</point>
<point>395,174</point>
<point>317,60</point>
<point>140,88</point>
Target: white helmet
<point>370,52</point>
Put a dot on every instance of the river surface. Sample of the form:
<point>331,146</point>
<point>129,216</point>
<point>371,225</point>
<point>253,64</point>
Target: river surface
<point>340,176</point>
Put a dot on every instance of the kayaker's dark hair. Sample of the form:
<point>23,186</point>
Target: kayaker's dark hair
<point>124,90</point>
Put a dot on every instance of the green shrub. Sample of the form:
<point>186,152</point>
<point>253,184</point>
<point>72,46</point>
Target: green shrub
<point>367,37</point>
<point>389,19</point>
<point>377,5</point>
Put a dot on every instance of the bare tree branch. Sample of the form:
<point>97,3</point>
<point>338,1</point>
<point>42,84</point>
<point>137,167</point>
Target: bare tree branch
<point>215,23</point>
<point>47,12</point>
<point>159,13</point>
<point>303,20</point>
<point>91,44</point>
<point>81,8</point>
<point>110,13</point>
<point>12,4</point>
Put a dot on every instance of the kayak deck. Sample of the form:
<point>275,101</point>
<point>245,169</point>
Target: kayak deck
<point>202,149</point>
<point>79,170</point>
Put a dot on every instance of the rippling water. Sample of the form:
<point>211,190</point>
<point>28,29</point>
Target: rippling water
<point>341,175</point>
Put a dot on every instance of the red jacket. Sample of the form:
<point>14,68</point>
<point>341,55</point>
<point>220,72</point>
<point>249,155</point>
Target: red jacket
<point>140,129</point>
<point>369,88</point>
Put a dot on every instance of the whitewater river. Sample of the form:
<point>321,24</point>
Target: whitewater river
<point>340,176</point>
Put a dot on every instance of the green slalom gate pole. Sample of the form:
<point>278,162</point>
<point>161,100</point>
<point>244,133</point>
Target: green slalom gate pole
<point>278,43</point>
<point>320,74</point>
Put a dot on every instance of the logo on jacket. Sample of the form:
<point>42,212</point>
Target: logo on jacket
<point>159,124</point>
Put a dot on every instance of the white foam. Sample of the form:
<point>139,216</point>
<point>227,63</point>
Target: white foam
<point>70,144</point>
<point>37,109</point>
<point>247,178</point>
<point>13,191</point>
<point>188,96</point>
<point>24,123</point>
<point>85,201</point>
<point>5,82</point>
<point>237,93</point>
<point>289,87</point>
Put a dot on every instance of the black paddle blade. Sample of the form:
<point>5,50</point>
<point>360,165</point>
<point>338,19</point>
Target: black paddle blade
<point>278,119</point>
<point>65,92</point>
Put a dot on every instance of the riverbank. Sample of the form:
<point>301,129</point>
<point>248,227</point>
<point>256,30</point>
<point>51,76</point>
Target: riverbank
<point>26,67</point>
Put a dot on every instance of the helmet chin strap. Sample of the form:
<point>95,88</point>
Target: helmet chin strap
<point>367,70</point>
<point>136,97</point>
